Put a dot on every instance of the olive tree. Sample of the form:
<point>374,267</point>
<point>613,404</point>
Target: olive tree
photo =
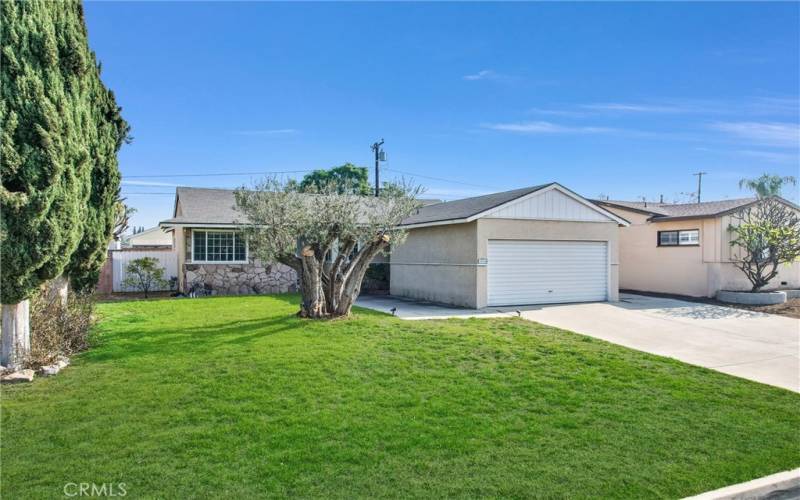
<point>766,235</point>
<point>328,238</point>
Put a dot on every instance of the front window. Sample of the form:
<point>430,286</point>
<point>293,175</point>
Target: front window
<point>218,246</point>
<point>685,237</point>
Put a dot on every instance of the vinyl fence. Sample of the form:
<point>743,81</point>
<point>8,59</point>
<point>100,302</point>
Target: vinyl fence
<point>120,259</point>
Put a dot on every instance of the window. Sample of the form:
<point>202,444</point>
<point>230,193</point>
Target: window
<point>686,237</point>
<point>689,237</point>
<point>218,246</point>
<point>667,238</point>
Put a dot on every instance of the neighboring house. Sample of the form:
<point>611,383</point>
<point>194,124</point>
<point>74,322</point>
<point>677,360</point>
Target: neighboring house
<point>536,245</point>
<point>684,248</point>
<point>152,237</point>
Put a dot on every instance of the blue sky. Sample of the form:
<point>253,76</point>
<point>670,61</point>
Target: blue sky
<point>621,99</point>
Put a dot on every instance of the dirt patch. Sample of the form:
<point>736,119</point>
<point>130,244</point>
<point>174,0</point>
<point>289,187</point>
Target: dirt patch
<point>791,308</point>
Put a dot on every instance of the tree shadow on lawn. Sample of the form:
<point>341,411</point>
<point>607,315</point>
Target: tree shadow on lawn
<point>189,341</point>
<point>294,299</point>
<point>136,339</point>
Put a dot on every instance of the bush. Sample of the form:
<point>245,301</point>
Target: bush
<point>145,275</point>
<point>59,330</point>
<point>378,271</point>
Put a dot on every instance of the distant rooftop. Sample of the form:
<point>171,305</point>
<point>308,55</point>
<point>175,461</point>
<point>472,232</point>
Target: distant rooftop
<point>666,211</point>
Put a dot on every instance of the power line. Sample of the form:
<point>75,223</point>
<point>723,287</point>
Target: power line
<point>220,174</point>
<point>216,174</point>
<point>440,179</point>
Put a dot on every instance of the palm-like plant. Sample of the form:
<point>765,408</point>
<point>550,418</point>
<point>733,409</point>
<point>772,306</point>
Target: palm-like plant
<point>767,185</point>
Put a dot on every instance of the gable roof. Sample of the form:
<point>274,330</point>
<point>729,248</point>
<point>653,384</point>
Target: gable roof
<point>204,206</point>
<point>676,211</point>
<point>467,209</point>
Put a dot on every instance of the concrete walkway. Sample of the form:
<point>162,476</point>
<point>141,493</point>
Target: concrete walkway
<point>751,345</point>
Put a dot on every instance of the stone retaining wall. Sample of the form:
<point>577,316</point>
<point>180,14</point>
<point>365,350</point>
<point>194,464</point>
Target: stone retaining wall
<point>242,279</point>
<point>752,298</point>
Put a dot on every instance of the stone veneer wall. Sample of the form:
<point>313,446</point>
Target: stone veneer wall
<point>241,279</point>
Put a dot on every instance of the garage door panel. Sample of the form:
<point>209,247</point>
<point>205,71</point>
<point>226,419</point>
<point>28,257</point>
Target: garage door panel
<point>542,272</point>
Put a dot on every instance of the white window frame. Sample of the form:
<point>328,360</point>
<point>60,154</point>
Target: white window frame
<point>688,242</point>
<point>237,234</point>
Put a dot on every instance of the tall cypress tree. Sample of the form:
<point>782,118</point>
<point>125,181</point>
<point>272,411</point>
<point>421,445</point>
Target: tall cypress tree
<point>111,131</point>
<point>47,115</point>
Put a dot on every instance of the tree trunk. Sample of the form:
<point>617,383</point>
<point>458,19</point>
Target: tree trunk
<point>336,279</point>
<point>311,287</point>
<point>355,275</point>
<point>16,334</point>
<point>57,290</point>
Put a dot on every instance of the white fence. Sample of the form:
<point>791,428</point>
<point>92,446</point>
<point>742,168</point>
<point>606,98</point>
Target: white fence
<point>168,259</point>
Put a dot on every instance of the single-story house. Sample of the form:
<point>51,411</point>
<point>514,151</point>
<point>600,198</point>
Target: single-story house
<point>542,244</point>
<point>535,245</point>
<point>684,248</point>
<point>212,252</point>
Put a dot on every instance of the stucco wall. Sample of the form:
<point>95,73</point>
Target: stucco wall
<point>437,264</point>
<point>179,244</point>
<point>440,263</point>
<point>515,229</point>
<point>647,267</point>
<point>699,271</point>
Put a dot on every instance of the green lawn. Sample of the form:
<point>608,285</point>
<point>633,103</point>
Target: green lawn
<point>235,397</point>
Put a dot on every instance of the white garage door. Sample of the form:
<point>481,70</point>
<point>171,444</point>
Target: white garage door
<point>546,272</point>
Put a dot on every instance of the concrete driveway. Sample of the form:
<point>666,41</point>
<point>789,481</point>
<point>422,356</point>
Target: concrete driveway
<point>751,345</point>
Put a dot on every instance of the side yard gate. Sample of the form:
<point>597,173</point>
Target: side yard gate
<point>120,259</point>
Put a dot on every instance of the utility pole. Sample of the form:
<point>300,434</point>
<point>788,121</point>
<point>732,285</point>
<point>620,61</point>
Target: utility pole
<point>699,183</point>
<point>379,157</point>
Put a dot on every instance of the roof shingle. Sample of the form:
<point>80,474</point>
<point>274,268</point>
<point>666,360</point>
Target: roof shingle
<point>466,207</point>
